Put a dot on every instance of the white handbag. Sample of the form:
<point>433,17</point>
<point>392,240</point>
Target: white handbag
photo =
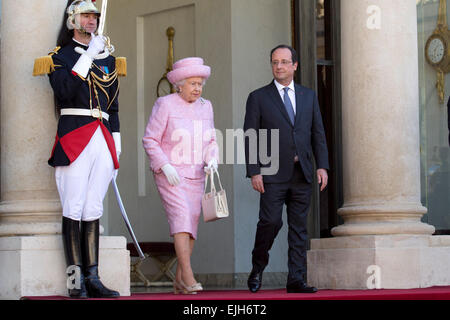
<point>214,203</point>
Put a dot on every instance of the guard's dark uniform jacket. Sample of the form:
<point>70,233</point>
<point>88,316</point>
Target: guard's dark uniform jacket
<point>101,87</point>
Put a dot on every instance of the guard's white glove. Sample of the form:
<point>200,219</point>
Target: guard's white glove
<point>96,45</point>
<point>84,63</point>
<point>118,144</point>
<point>212,164</point>
<point>171,174</point>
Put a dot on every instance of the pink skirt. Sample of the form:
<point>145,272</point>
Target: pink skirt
<point>182,203</point>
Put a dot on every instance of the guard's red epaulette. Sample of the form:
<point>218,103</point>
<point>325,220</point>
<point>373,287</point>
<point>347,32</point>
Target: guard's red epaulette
<point>44,65</point>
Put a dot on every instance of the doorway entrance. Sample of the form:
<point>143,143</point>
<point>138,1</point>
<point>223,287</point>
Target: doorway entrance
<point>316,37</point>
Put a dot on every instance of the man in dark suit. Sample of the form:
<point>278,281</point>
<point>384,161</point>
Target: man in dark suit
<point>294,111</point>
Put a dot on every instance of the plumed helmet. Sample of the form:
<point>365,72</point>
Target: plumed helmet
<point>79,7</point>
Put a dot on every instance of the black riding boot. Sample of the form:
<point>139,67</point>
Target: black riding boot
<point>72,250</point>
<point>90,233</point>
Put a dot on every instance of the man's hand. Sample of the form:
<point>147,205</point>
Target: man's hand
<point>258,183</point>
<point>96,45</point>
<point>322,177</point>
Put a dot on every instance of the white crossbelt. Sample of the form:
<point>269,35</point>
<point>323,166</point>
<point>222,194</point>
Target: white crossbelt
<point>84,112</point>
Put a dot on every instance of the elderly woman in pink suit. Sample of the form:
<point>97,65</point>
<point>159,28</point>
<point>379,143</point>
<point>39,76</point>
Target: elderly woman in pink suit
<point>180,142</point>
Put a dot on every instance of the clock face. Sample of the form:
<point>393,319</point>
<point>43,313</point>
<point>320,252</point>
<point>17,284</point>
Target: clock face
<point>436,50</point>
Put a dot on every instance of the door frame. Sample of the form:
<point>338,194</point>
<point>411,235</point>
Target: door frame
<point>304,40</point>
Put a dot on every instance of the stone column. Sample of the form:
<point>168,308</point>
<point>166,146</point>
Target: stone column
<point>29,199</point>
<point>382,236</point>
<point>380,119</point>
<point>31,255</point>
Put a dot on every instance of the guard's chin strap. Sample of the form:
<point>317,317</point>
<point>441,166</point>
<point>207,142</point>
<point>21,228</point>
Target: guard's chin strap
<point>83,31</point>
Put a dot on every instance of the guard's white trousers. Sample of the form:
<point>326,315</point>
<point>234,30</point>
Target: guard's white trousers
<point>82,186</point>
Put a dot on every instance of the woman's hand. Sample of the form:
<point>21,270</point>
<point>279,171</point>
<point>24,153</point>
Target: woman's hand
<point>171,174</point>
<point>212,164</point>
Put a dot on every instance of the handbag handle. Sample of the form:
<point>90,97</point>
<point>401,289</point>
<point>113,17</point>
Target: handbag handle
<point>211,178</point>
<point>213,187</point>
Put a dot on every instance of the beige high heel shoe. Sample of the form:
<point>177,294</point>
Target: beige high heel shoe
<point>181,288</point>
<point>194,288</point>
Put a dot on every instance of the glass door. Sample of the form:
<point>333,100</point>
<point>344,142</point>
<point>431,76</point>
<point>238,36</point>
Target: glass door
<point>434,118</point>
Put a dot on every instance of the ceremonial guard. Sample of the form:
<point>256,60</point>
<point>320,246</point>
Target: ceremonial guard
<point>85,80</point>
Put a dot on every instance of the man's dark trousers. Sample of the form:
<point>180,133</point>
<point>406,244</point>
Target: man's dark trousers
<point>296,194</point>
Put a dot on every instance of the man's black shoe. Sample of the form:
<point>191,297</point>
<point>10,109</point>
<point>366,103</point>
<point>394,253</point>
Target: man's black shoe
<point>254,281</point>
<point>300,287</point>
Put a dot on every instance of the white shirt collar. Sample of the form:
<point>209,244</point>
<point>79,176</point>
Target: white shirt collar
<point>280,87</point>
<point>85,45</point>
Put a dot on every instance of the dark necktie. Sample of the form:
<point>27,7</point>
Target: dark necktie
<point>288,105</point>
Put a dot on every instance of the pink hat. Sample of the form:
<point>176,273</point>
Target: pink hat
<point>188,68</point>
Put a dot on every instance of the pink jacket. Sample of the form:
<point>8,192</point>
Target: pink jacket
<point>181,134</point>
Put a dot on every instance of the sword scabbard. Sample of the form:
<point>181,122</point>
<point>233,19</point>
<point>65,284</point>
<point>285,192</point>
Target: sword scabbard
<point>127,221</point>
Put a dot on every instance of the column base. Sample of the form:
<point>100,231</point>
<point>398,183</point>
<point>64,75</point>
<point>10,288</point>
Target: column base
<point>35,266</point>
<point>382,228</point>
<point>379,262</point>
<point>30,217</point>
<point>382,219</point>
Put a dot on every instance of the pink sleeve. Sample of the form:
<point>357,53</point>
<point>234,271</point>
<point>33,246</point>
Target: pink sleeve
<point>212,149</point>
<point>154,133</point>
